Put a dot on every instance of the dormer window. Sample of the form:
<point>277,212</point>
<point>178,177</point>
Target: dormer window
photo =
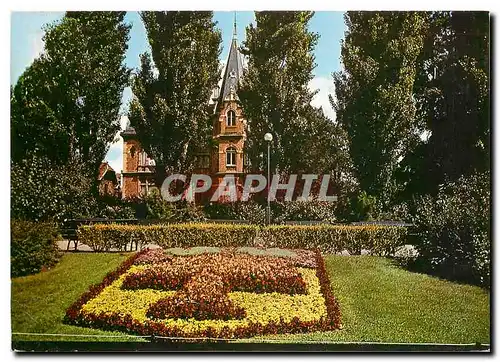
<point>231,118</point>
<point>231,157</point>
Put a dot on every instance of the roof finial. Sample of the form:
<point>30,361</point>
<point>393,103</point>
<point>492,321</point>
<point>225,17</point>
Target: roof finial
<point>234,31</point>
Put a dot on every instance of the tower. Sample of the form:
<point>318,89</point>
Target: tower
<point>229,123</point>
<point>138,169</point>
<point>225,154</point>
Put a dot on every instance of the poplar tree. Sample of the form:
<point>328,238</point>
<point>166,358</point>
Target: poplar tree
<point>452,94</point>
<point>375,102</point>
<point>172,87</point>
<point>274,92</point>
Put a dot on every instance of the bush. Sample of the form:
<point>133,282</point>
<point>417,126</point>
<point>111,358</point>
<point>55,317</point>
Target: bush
<point>33,247</point>
<point>159,209</point>
<point>249,211</point>
<point>396,212</point>
<point>111,207</point>
<point>454,230</point>
<point>336,238</point>
<point>187,212</point>
<point>303,211</point>
<point>363,207</point>
<point>41,191</point>
<point>281,211</point>
<point>327,238</point>
<point>103,237</point>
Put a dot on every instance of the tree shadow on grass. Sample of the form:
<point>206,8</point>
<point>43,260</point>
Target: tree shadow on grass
<point>460,274</point>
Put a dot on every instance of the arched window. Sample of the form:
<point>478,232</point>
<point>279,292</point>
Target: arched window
<point>231,156</point>
<point>231,118</point>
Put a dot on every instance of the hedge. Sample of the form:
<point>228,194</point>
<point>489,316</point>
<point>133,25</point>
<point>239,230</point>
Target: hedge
<point>327,238</point>
<point>104,237</point>
<point>336,238</point>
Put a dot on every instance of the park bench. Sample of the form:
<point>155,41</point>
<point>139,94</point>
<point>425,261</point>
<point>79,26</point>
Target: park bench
<point>69,227</point>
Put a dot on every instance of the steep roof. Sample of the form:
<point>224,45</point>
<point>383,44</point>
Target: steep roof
<point>233,72</point>
<point>128,131</point>
<point>104,168</point>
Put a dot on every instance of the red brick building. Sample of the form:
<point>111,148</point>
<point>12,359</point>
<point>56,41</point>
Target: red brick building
<point>229,134</point>
<point>109,180</point>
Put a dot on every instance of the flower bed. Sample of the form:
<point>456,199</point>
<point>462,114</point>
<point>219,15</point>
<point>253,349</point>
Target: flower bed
<point>224,295</point>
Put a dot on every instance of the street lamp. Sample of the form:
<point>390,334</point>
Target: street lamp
<point>268,138</point>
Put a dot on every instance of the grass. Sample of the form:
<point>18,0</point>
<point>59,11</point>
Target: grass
<point>379,301</point>
<point>39,301</point>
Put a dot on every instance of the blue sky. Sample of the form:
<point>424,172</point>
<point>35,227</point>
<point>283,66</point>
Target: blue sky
<point>27,29</point>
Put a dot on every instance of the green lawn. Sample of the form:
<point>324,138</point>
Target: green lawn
<point>39,301</point>
<point>380,302</point>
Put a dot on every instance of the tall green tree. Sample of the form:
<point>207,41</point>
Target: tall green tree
<point>274,92</point>
<point>374,94</point>
<point>65,107</point>
<point>172,88</point>
<point>320,145</point>
<point>452,92</point>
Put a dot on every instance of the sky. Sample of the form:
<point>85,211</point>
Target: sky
<point>27,30</point>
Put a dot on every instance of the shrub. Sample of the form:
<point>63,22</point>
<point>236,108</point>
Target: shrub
<point>327,238</point>
<point>303,211</point>
<point>249,211</point>
<point>187,211</point>
<point>362,207</point>
<point>454,230</point>
<point>103,237</point>
<point>33,247</point>
<point>396,212</point>
<point>335,238</point>
<point>41,191</point>
<point>111,207</point>
<point>157,208</point>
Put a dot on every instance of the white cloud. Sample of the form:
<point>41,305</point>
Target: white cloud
<point>115,155</point>
<point>325,87</point>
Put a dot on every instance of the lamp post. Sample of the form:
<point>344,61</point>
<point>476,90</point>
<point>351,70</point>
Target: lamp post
<point>268,138</point>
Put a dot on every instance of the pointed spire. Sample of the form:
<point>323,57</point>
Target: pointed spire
<point>234,31</point>
<point>233,71</point>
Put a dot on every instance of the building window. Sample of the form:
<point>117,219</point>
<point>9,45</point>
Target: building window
<point>231,156</point>
<point>231,118</point>
<point>147,186</point>
<point>143,159</point>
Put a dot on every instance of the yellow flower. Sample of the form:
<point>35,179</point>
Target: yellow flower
<point>263,308</point>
